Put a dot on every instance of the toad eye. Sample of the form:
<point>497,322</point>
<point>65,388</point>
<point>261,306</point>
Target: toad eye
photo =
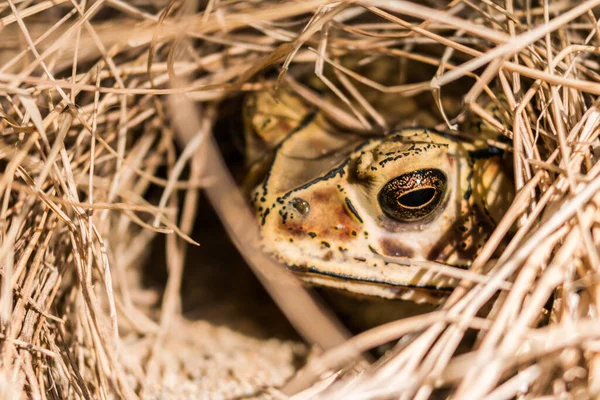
<point>413,196</point>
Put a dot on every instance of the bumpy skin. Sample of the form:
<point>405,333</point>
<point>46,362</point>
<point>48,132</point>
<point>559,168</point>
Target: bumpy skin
<point>320,205</point>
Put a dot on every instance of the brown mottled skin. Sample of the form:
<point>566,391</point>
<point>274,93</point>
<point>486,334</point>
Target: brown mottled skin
<point>333,204</point>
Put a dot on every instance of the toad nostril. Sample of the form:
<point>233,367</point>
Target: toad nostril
<point>301,205</point>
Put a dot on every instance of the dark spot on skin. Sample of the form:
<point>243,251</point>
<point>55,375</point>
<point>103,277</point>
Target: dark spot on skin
<point>342,250</point>
<point>296,230</point>
<point>264,217</point>
<point>266,122</point>
<point>361,259</point>
<point>393,248</point>
<point>353,233</point>
<point>353,210</point>
<point>312,234</point>
<point>328,256</point>
<point>373,250</point>
<point>291,240</point>
<point>325,244</point>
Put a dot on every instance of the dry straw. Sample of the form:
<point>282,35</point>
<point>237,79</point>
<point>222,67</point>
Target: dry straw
<point>96,96</point>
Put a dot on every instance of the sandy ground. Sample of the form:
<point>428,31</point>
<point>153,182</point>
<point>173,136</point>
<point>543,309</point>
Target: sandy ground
<point>231,339</point>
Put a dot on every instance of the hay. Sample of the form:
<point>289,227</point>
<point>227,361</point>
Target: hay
<point>96,97</point>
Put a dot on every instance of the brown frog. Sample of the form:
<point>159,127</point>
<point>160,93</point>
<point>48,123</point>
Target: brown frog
<point>355,213</point>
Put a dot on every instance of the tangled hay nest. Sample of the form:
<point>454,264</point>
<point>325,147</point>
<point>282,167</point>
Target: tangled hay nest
<point>104,103</point>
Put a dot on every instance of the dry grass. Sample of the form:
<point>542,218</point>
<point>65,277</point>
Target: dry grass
<point>95,96</point>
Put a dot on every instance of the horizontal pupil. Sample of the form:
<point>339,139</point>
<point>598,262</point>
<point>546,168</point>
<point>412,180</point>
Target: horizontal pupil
<point>414,195</point>
<point>417,198</point>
